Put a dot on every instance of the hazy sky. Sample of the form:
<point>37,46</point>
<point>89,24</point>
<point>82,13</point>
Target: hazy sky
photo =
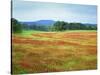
<point>33,11</point>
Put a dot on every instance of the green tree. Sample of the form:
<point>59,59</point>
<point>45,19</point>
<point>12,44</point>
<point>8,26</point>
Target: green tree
<point>60,26</point>
<point>16,26</point>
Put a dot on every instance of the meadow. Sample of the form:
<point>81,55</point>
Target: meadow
<point>38,52</point>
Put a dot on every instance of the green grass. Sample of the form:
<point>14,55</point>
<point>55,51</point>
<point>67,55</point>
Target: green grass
<point>81,30</point>
<point>27,33</point>
<point>18,69</point>
<point>35,31</point>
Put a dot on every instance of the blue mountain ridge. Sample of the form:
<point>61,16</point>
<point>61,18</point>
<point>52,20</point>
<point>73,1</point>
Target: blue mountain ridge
<point>49,23</point>
<point>40,22</point>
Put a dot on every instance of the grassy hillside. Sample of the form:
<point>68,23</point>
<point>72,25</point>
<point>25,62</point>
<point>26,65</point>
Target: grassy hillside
<point>36,51</point>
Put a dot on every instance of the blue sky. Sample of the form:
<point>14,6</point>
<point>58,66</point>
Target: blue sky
<point>33,11</point>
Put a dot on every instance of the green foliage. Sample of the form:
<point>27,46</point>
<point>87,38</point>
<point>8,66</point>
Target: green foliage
<point>16,26</point>
<point>61,26</point>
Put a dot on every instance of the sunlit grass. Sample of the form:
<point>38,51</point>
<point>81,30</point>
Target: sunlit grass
<point>35,51</point>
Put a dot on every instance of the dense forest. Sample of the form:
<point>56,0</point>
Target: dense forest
<point>17,27</point>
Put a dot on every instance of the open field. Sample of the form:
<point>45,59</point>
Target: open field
<point>35,52</point>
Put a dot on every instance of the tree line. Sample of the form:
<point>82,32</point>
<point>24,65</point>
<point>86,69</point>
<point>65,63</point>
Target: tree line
<point>17,27</point>
<point>61,26</point>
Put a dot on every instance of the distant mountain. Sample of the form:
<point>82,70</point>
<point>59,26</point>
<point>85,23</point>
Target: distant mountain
<point>28,23</point>
<point>45,22</point>
<point>40,22</point>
